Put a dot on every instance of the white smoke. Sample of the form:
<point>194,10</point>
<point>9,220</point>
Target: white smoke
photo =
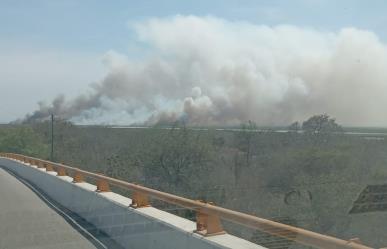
<point>209,71</point>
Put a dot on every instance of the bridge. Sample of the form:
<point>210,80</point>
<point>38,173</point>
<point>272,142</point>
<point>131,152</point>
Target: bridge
<point>50,205</point>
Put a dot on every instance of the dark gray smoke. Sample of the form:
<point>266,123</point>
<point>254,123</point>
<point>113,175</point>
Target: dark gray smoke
<point>63,109</point>
<point>209,71</point>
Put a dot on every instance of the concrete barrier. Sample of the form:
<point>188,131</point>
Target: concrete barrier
<point>147,227</point>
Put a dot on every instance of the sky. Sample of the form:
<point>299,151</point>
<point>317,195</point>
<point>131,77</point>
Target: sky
<point>50,47</point>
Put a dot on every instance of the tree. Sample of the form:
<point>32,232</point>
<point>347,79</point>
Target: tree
<point>295,126</point>
<point>176,159</point>
<point>246,139</point>
<point>245,143</point>
<point>23,140</point>
<point>320,124</point>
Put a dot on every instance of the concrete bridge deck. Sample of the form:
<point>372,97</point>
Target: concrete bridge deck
<point>28,221</point>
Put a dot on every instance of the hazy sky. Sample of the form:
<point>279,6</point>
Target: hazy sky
<point>50,47</point>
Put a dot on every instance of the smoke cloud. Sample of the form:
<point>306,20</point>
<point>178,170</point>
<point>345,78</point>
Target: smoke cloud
<point>210,71</point>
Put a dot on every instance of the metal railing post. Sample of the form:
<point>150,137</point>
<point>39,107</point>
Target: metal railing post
<point>208,225</point>
<point>48,167</point>
<point>78,177</point>
<point>102,185</point>
<point>139,200</point>
<point>61,171</point>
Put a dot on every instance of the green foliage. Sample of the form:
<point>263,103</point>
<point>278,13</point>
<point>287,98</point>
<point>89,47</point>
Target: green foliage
<point>176,159</point>
<point>23,140</point>
<point>320,124</point>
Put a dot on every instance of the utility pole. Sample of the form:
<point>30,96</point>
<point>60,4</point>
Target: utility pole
<point>52,138</point>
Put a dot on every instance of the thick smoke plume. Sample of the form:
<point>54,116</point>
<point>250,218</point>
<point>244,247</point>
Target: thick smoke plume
<point>210,71</point>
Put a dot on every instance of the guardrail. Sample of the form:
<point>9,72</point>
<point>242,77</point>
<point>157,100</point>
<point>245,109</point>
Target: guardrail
<point>208,216</point>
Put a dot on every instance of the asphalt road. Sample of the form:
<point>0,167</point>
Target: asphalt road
<point>27,221</point>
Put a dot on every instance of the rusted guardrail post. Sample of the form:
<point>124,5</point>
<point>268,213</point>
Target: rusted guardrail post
<point>208,225</point>
<point>78,177</point>
<point>139,200</point>
<point>102,185</point>
<point>39,164</point>
<point>61,171</point>
<point>48,167</point>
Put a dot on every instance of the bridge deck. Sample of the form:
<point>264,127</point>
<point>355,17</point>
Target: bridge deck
<point>26,221</point>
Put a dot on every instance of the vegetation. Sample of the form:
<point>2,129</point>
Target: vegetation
<point>22,140</point>
<point>320,124</point>
<point>307,178</point>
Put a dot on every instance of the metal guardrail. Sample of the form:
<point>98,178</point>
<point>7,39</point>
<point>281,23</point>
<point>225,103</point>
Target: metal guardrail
<point>208,216</point>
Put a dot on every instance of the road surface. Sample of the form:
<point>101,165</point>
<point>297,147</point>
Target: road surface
<point>28,221</point>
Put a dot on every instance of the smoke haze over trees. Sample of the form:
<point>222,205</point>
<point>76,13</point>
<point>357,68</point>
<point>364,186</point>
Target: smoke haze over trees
<point>210,71</point>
